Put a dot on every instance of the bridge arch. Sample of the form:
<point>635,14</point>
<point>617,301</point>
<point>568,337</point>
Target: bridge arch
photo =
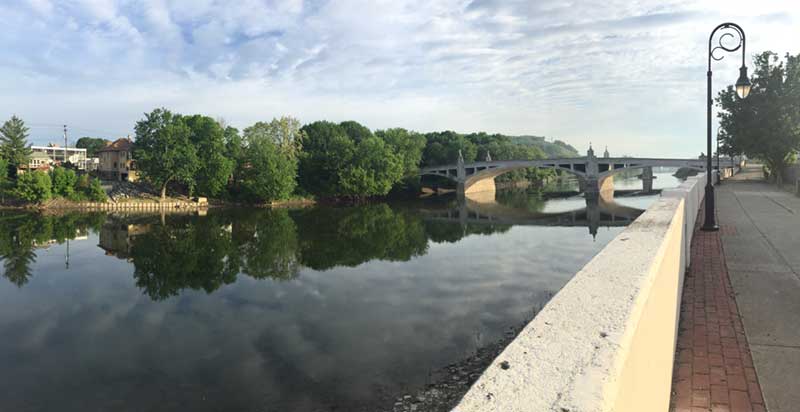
<point>483,179</point>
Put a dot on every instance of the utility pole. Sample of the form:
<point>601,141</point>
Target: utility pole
<point>65,146</point>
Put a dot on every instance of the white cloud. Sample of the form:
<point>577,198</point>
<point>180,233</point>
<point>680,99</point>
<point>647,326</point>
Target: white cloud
<point>43,7</point>
<point>627,74</point>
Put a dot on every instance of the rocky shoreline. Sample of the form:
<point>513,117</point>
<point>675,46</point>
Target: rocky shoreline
<point>453,381</point>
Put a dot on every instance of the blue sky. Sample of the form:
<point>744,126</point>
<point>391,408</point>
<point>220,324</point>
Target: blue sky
<point>627,74</point>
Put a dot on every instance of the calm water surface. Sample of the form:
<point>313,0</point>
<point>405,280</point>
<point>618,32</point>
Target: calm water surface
<point>286,310</point>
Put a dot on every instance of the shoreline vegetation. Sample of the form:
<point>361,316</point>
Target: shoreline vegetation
<point>275,163</point>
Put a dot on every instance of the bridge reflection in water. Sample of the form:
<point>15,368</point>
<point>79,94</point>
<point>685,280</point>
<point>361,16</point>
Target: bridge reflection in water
<point>597,212</point>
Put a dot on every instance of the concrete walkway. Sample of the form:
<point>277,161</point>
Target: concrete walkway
<point>760,233</point>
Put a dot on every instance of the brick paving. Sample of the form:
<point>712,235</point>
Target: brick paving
<point>713,367</point>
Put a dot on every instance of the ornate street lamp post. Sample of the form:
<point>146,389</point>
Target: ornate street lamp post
<point>719,171</point>
<point>731,30</point>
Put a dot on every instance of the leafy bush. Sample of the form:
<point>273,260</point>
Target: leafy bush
<point>95,192</point>
<point>64,181</point>
<point>34,186</point>
<point>87,188</point>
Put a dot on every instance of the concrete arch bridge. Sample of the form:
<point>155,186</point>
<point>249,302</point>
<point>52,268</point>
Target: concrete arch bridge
<point>595,175</point>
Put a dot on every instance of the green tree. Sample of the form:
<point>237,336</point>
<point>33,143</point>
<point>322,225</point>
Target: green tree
<point>347,160</point>
<point>95,192</point>
<point>235,150</point>
<point>408,145</point>
<point>34,186</point>
<point>14,145</point>
<point>765,125</point>
<point>164,151</point>
<point>64,181</point>
<point>270,173</point>
<point>443,148</point>
<point>91,144</point>
<point>4,180</point>
<point>326,150</point>
<point>373,170</point>
<point>285,132</point>
<point>214,167</point>
<point>355,130</point>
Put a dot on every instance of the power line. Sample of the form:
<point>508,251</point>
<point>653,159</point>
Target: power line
<point>85,129</point>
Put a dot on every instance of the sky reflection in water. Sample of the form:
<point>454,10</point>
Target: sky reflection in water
<point>290,310</point>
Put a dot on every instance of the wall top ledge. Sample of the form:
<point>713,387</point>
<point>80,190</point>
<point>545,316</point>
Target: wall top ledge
<point>571,355</point>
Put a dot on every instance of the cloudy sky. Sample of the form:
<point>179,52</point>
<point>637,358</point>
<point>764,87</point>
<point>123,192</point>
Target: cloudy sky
<point>627,74</point>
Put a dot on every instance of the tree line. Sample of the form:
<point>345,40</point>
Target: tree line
<point>272,160</point>
<point>766,124</point>
<point>279,159</point>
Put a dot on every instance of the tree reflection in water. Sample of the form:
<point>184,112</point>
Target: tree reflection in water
<point>176,252</point>
<point>22,233</point>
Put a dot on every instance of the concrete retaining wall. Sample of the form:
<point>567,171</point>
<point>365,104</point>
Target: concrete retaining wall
<point>606,341</point>
<point>692,191</point>
<point>129,206</point>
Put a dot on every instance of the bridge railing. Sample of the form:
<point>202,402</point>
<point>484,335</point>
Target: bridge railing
<point>606,341</point>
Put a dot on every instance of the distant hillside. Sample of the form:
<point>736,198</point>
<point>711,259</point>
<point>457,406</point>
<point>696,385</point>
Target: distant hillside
<point>553,149</point>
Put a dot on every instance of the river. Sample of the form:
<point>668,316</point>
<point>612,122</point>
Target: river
<point>314,309</point>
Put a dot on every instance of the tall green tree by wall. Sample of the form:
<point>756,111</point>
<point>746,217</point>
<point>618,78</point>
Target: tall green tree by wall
<point>270,160</point>
<point>14,145</point>
<point>214,168</point>
<point>164,151</point>
<point>765,125</point>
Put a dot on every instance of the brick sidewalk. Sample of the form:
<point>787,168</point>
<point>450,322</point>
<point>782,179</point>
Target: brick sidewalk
<point>713,367</point>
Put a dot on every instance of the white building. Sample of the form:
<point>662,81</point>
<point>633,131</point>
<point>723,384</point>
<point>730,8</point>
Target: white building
<point>57,155</point>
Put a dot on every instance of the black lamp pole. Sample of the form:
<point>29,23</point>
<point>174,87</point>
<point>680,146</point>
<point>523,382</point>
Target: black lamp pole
<point>719,170</point>
<point>742,89</point>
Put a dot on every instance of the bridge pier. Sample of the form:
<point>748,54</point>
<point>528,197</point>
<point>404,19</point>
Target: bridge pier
<point>647,179</point>
<point>603,188</point>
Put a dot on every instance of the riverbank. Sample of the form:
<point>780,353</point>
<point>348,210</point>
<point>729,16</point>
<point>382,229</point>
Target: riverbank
<point>151,204</point>
<point>449,384</point>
